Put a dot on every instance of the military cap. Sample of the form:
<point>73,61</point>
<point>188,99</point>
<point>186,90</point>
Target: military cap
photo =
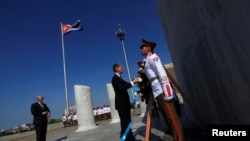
<point>148,43</point>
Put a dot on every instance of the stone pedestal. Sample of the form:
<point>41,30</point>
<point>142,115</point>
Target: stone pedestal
<point>111,95</point>
<point>84,108</point>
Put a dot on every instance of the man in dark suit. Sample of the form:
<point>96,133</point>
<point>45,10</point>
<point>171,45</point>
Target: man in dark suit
<point>122,101</point>
<point>40,112</point>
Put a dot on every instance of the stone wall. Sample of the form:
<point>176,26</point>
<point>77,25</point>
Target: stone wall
<point>210,47</point>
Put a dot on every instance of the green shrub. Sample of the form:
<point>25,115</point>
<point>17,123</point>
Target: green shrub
<point>51,121</point>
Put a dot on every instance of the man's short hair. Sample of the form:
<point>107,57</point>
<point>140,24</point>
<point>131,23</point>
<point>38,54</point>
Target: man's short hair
<point>116,65</point>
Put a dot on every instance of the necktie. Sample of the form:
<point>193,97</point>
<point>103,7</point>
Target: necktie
<point>42,106</point>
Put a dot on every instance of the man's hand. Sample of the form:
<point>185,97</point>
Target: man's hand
<point>46,113</point>
<point>135,80</point>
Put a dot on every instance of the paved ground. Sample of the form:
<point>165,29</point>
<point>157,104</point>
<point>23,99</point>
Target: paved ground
<point>106,131</point>
<point>54,131</point>
<point>110,132</point>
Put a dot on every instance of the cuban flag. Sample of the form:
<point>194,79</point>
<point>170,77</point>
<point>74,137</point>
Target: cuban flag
<point>66,28</point>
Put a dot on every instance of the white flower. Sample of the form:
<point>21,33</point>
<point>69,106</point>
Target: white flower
<point>139,79</point>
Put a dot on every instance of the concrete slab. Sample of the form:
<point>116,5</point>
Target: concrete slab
<point>111,132</point>
<point>107,131</point>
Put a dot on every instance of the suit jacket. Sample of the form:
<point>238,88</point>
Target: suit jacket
<point>120,86</point>
<point>38,117</point>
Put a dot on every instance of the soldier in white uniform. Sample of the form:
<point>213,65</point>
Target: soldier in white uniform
<point>161,88</point>
<point>75,119</point>
<point>104,112</point>
<point>70,121</point>
<point>95,114</point>
<point>64,119</point>
<point>100,113</point>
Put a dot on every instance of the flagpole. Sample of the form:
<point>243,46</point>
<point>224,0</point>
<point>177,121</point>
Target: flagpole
<point>121,34</point>
<point>64,70</point>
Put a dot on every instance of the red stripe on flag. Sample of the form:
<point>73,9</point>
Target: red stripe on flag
<point>66,28</point>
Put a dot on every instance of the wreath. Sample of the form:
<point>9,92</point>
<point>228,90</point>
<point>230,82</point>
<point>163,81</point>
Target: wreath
<point>144,84</point>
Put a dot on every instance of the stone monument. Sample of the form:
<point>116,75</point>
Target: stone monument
<point>84,108</point>
<point>111,95</point>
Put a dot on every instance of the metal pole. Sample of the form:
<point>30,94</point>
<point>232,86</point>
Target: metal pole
<point>64,70</point>
<point>124,52</point>
<point>121,34</point>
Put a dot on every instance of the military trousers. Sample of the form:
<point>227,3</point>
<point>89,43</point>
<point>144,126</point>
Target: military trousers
<point>170,116</point>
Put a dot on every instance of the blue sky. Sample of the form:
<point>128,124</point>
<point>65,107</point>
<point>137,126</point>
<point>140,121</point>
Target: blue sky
<point>31,50</point>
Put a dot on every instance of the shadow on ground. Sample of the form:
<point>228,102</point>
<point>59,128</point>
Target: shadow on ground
<point>158,128</point>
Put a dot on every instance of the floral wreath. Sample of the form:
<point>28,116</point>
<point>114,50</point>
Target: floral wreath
<point>144,84</point>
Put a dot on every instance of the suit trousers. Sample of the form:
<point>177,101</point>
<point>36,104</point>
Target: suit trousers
<point>168,111</point>
<point>125,119</point>
<point>41,130</point>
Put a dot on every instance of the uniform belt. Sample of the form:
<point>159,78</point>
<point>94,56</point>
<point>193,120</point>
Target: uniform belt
<point>153,78</point>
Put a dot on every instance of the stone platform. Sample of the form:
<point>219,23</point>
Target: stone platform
<point>106,131</point>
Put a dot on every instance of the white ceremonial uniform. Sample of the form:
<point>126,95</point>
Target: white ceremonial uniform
<point>64,118</point>
<point>75,117</point>
<point>156,73</point>
<point>104,109</point>
<point>100,111</point>
<point>108,109</point>
<point>69,118</point>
